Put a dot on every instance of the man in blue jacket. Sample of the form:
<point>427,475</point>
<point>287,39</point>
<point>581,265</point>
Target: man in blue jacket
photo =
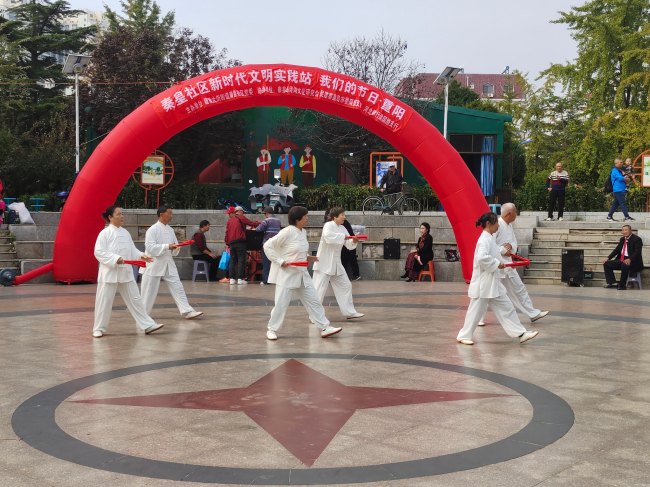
<point>619,185</point>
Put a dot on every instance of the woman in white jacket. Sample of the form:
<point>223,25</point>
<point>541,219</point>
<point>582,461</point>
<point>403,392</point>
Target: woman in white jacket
<point>486,287</point>
<point>114,245</point>
<point>329,268</point>
<point>290,245</point>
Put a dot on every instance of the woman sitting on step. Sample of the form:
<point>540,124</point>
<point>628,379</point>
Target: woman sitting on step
<point>420,256</point>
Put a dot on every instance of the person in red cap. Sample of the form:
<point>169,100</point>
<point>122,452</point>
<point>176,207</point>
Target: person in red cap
<point>308,165</point>
<point>263,167</point>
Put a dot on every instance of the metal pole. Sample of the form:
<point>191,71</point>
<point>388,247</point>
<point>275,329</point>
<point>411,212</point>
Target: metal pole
<point>76,103</point>
<point>446,108</point>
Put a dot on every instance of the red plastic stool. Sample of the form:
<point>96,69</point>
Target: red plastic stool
<point>428,271</point>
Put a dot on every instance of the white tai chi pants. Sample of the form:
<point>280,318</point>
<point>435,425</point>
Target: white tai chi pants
<point>519,296</point>
<point>501,307</point>
<point>342,290</point>
<point>309,299</point>
<point>132,299</point>
<point>150,285</point>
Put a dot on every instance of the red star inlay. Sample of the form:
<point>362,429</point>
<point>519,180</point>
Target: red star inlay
<point>301,408</point>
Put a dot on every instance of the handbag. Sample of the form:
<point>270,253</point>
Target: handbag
<point>225,260</point>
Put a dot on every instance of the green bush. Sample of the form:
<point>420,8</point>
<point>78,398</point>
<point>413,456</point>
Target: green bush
<point>176,195</point>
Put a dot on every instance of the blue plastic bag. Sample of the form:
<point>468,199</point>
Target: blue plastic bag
<point>225,260</point>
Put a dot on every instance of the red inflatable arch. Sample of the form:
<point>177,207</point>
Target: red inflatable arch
<point>123,150</point>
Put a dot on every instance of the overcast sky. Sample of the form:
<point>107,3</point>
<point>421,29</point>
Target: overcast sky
<point>482,36</point>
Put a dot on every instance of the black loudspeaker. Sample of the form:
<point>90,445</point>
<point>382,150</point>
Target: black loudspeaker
<point>391,248</point>
<point>254,240</point>
<point>573,264</point>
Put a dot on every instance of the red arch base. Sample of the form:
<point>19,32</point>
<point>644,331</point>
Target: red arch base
<point>187,103</point>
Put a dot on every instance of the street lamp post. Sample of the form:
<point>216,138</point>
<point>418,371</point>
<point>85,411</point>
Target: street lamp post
<point>444,79</point>
<point>76,64</point>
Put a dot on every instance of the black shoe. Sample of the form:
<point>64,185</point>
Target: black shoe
<point>630,219</point>
<point>622,288</point>
<point>358,278</point>
<point>410,280</point>
<point>610,286</point>
<point>406,274</point>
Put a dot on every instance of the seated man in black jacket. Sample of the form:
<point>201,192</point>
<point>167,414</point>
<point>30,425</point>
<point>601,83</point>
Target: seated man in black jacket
<point>626,257</point>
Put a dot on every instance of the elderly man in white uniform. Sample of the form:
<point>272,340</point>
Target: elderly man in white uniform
<point>507,243</point>
<point>161,243</point>
<point>114,245</point>
<point>329,268</point>
<point>486,287</point>
<point>290,245</point>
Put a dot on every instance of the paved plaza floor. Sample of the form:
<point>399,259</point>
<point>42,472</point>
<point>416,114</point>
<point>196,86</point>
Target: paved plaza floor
<point>393,400</point>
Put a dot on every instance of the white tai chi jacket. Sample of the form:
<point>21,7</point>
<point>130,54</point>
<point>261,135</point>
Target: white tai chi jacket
<point>486,275</point>
<point>156,243</point>
<point>289,245</point>
<point>113,243</point>
<point>506,235</point>
<point>329,250</point>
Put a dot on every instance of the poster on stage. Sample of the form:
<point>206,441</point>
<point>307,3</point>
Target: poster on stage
<point>153,170</point>
<point>382,167</point>
<point>646,171</point>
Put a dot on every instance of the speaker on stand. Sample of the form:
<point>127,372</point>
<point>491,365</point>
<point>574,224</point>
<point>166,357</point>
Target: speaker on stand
<point>573,264</point>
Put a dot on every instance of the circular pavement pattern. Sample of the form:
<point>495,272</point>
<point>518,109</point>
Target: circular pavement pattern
<point>34,422</point>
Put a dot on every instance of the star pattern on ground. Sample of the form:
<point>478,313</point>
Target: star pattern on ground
<point>301,408</point>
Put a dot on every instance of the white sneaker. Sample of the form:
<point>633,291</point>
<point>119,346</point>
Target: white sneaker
<point>329,331</point>
<point>560,219</point>
<point>528,335</point>
<point>240,282</point>
<point>481,323</point>
<point>466,342</point>
<point>270,335</point>
<point>233,281</point>
<point>97,334</point>
<point>549,220</point>
<point>540,315</point>
<point>152,328</point>
<point>311,321</point>
<point>356,315</point>
<point>193,314</point>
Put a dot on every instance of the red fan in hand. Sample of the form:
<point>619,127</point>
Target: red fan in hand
<point>521,262</point>
<point>302,263</point>
<point>139,263</point>
<point>187,242</point>
<point>359,237</point>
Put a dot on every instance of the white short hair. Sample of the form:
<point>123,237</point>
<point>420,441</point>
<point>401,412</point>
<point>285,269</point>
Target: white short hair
<point>507,208</point>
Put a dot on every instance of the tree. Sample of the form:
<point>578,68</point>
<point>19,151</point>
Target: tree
<point>39,34</point>
<point>141,15</point>
<point>138,60</point>
<point>604,31</point>
<point>380,61</point>
<point>459,96</point>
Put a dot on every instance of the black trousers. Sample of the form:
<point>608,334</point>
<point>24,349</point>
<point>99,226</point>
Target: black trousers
<point>612,265</point>
<point>559,197</point>
<point>350,257</point>
<point>238,259</point>
<point>213,265</point>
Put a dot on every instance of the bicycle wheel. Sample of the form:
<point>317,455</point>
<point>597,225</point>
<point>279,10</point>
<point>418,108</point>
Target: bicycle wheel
<point>410,206</point>
<point>373,206</point>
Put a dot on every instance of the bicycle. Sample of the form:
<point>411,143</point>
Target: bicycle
<point>380,205</point>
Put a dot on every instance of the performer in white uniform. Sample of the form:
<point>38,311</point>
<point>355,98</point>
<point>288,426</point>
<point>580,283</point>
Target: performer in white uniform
<point>329,268</point>
<point>290,245</point>
<point>486,287</point>
<point>114,245</point>
<point>507,243</point>
<point>161,243</point>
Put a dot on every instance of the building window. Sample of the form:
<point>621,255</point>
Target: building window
<point>488,88</point>
<point>507,89</point>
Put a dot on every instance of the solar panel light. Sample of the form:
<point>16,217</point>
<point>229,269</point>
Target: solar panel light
<point>447,75</point>
<point>76,64</point>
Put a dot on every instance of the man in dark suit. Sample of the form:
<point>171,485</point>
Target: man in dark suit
<point>626,257</point>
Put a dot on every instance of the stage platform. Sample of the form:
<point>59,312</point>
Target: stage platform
<point>391,401</point>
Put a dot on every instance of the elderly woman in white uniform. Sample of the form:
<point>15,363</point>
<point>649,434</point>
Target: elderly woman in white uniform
<point>329,268</point>
<point>114,245</point>
<point>290,245</point>
<point>486,287</point>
